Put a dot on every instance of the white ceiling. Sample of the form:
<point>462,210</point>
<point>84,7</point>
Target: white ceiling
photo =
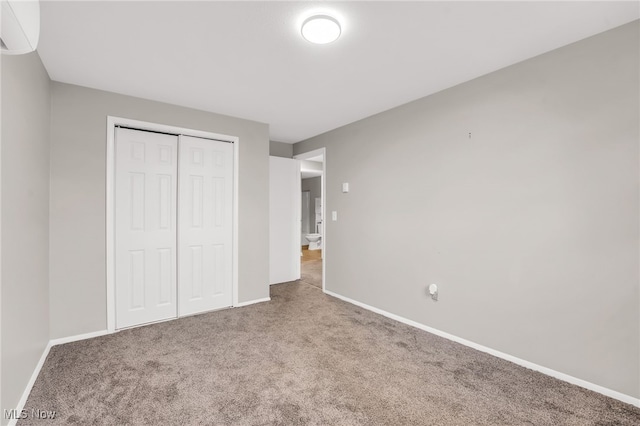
<point>247,59</point>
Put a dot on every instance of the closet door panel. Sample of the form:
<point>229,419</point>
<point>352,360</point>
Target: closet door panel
<point>205,224</point>
<point>145,227</point>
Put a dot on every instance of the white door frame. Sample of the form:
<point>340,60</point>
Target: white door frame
<point>112,122</point>
<point>323,180</point>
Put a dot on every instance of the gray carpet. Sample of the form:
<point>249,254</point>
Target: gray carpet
<point>304,358</point>
<point>311,272</point>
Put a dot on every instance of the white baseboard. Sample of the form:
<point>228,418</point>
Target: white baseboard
<point>527,364</point>
<point>31,382</point>
<point>252,302</point>
<point>69,339</point>
<point>43,358</point>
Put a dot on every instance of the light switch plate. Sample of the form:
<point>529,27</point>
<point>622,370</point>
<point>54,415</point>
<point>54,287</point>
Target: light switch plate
<point>334,215</point>
<point>345,187</point>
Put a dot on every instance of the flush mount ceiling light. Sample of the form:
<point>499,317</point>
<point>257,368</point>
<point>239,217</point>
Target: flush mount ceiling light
<point>321,29</point>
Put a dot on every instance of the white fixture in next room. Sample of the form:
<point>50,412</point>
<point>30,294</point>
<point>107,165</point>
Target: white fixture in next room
<point>315,240</point>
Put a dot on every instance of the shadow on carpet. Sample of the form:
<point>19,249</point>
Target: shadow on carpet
<point>311,272</point>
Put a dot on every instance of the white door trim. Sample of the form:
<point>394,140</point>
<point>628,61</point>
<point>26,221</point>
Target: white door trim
<point>112,122</point>
<point>325,219</point>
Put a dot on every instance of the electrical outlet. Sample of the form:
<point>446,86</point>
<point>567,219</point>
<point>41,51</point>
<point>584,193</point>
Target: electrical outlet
<point>432,291</point>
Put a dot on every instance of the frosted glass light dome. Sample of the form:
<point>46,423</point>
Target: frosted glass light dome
<point>321,29</point>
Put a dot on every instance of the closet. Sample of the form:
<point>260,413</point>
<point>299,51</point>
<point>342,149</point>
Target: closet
<point>173,226</point>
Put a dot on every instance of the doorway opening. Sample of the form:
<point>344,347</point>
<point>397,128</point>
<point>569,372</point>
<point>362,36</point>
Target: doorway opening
<point>313,241</point>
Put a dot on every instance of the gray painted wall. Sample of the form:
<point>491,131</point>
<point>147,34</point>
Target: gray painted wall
<point>78,141</point>
<point>25,221</point>
<point>280,149</point>
<point>529,226</point>
<point>314,186</point>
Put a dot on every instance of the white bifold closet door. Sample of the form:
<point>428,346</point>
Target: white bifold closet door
<point>205,214</point>
<point>173,226</point>
<point>145,216</point>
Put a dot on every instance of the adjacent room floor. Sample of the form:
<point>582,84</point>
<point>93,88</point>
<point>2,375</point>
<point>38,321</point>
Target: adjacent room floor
<point>303,358</point>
